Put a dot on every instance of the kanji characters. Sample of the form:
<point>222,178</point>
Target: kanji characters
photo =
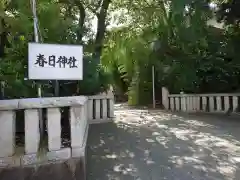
<point>59,62</point>
<point>41,60</point>
<point>52,61</point>
<point>72,62</point>
<point>62,61</point>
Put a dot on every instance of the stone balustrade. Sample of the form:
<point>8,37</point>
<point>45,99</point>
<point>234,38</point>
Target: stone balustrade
<point>101,108</point>
<point>221,103</point>
<point>82,111</point>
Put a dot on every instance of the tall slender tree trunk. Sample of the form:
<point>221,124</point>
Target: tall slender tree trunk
<point>3,38</point>
<point>101,28</point>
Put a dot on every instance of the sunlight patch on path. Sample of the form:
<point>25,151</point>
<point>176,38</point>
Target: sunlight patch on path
<point>211,152</point>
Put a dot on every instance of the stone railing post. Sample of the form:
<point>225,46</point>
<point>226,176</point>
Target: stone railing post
<point>90,109</point>
<point>79,127</point>
<point>7,133</point>
<point>235,103</point>
<point>111,104</point>
<point>32,135</point>
<point>165,101</point>
<point>183,102</point>
<point>54,129</point>
<point>101,108</point>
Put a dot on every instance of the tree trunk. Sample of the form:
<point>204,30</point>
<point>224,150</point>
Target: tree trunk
<point>82,15</point>
<point>101,28</point>
<point>3,39</point>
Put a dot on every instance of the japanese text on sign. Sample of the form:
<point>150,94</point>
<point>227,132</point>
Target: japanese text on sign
<point>53,61</point>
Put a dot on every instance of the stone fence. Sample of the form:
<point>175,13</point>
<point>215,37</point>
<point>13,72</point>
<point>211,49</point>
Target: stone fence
<point>101,108</point>
<point>82,111</point>
<point>217,103</point>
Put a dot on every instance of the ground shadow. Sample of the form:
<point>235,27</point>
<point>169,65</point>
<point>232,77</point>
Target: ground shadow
<point>154,145</point>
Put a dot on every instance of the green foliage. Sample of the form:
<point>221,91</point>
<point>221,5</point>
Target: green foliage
<point>188,55</point>
<point>95,79</point>
<point>62,22</point>
<point>171,35</point>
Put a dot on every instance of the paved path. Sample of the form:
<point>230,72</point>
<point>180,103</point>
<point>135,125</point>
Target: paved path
<point>154,145</point>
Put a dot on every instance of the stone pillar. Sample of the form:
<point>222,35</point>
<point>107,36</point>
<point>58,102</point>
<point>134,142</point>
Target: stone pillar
<point>183,103</point>
<point>172,103</point>
<point>194,103</point>
<point>177,103</point>
<point>188,100</point>
<point>219,104</point>
<point>190,103</point>
<point>77,128</point>
<point>104,109</point>
<point>90,109</point>
<point>211,104</point>
<point>32,135</point>
<point>235,103</point>
<point>226,103</point>
<point>54,129</point>
<point>165,101</point>
<point>86,111</point>
<point>111,108</point>
<point>204,103</point>
<point>97,109</point>
<point>7,133</point>
<point>197,103</point>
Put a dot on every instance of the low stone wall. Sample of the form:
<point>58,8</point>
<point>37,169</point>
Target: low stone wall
<point>35,148</point>
<point>214,103</point>
<point>45,156</point>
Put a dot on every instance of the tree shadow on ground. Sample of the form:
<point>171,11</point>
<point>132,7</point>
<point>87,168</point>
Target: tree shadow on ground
<point>154,145</point>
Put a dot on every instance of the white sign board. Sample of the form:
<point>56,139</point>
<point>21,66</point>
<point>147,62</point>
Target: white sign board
<point>55,62</point>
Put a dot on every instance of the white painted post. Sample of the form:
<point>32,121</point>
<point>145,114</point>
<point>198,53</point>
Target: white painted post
<point>219,104</point>
<point>54,129</point>
<point>77,128</point>
<point>235,103</point>
<point>104,109</point>
<point>32,135</point>
<point>97,109</point>
<point>204,103</point>
<point>211,104</point>
<point>177,103</point>
<point>7,133</point>
<point>90,109</point>
<point>226,103</point>
<point>165,94</point>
